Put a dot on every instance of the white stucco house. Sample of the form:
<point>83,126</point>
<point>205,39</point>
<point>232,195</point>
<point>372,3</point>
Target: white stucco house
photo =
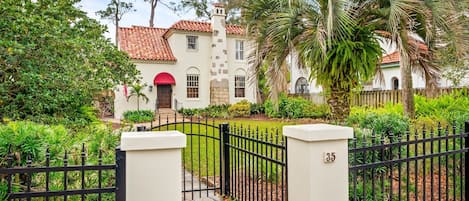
<point>390,68</point>
<point>190,64</point>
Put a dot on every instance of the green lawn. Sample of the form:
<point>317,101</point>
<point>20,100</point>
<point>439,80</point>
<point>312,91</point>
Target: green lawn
<point>201,156</point>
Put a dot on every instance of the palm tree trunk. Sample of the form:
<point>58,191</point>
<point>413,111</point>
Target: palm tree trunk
<point>339,102</point>
<point>430,87</point>
<point>407,88</point>
<point>138,103</point>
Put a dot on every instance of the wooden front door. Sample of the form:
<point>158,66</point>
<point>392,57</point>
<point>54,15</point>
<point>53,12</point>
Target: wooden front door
<point>164,96</point>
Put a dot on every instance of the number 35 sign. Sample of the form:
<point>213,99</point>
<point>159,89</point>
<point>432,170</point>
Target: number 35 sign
<point>329,157</point>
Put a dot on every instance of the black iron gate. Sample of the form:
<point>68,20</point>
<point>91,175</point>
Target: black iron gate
<point>229,160</point>
<point>202,166</point>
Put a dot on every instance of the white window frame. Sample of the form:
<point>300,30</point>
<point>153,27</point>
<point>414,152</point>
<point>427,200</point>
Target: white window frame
<point>192,82</point>
<point>192,45</point>
<point>240,83</point>
<point>239,50</point>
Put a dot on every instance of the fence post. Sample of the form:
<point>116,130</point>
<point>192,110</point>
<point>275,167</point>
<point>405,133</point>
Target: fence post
<point>120,174</point>
<point>466,167</point>
<point>225,180</point>
<point>317,162</point>
<point>153,165</point>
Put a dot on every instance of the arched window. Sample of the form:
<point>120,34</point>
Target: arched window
<point>395,83</point>
<point>192,82</point>
<point>301,86</point>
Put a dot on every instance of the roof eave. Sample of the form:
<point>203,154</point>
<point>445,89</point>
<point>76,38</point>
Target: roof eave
<point>390,64</point>
<point>154,61</point>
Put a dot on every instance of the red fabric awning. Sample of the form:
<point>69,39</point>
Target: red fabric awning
<point>164,78</point>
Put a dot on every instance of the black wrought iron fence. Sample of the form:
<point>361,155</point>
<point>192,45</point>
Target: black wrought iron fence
<point>254,163</point>
<point>67,181</point>
<point>229,160</point>
<point>202,170</point>
<point>426,164</point>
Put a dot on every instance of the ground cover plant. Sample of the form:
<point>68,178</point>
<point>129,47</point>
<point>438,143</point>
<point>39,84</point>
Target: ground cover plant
<point>27,139</point>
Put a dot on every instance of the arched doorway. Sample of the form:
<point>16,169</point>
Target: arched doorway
<point>301,86</point>
<point>395,83</point>
<point>163,82</point>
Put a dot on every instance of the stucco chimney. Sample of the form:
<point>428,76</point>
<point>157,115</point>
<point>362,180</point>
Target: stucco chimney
<point>219,77</point>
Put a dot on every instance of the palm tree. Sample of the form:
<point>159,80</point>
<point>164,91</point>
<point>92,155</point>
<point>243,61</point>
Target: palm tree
<point>335,39</point>
<point>328,36</point>
<point>137,91</point>
<point>420,28</point>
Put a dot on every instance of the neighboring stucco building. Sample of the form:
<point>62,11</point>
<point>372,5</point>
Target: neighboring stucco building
<point>390,68</point>
<point>191,64</point>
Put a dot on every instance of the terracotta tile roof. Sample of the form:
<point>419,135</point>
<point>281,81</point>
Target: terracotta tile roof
<point>186,25</point>
<point>218,5</point>
<point>235,29</point>
<point>395,57</point>
<point>145,43</point>
<point>391,58</point>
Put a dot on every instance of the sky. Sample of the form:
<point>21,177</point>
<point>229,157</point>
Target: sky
<point>164,16</point>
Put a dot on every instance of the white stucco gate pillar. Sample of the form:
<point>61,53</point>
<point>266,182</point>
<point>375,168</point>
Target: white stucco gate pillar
<point>153,165</point>
<point>317,162</point>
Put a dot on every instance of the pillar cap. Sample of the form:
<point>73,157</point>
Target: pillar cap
<point>139,141</point>
<point>318,132</point>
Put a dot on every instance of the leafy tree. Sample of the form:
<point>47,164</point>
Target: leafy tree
<point>202,8</point>
<point>54,59</point>
<point>137,92</point>
<point>114,12</point>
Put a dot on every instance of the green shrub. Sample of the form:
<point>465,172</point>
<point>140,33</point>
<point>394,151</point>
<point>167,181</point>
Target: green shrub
<point>381,121</point>
<point>139,116</point>
<point>240,109</point>
<point>295,107</point>
<point>217,111</point>
<point>214,111</point>
<point>270,110</point>
<point>188,112</point>
<point>257,108</point>
<point>453,107</point>
<point>26,138</point>
<point>317,111</point>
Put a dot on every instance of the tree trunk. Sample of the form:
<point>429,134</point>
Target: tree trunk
<point>138,103</point>
<point>117,24</point>
<point>152,12</point>
<point>430,87</point>
<point>339,102</point>
<point>407,88</point>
